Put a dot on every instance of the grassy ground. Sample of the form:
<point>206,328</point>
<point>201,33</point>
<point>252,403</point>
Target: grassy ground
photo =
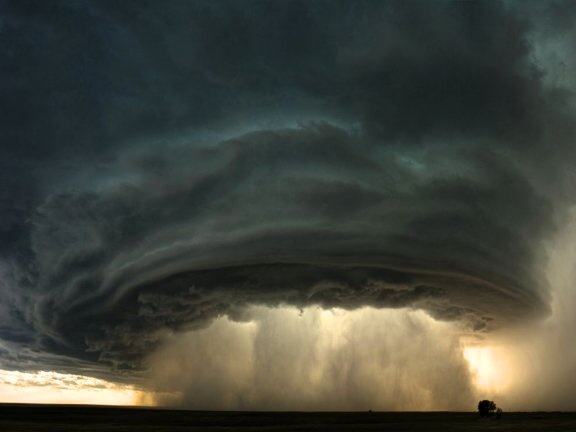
<point>41,418</point>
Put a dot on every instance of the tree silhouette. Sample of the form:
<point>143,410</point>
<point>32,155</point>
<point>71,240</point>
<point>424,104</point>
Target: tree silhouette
<point>486,408</point>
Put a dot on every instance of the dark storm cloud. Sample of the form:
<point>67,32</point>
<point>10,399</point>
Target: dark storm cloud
<point>133,202</point>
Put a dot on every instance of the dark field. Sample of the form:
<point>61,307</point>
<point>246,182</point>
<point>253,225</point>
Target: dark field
<point>32,418</point>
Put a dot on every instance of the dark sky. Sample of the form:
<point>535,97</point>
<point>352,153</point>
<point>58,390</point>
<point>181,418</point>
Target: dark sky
<point>163,163</point>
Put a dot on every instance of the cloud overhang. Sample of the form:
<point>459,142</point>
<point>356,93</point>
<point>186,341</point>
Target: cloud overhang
<point>423,173</point>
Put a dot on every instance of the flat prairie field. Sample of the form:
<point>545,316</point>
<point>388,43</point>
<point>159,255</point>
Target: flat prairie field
<point>40,418</point>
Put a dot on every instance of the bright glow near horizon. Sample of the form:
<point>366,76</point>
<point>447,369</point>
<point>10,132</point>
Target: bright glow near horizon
<point>489,368</point>
<point>53,387</point>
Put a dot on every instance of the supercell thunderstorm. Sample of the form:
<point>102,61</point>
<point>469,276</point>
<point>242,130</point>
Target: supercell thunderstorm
<point>164,164</point>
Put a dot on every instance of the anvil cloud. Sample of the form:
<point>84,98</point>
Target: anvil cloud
<point>167,163</point>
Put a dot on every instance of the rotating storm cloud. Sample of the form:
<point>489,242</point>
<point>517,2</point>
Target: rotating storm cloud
<point>290,205</point>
